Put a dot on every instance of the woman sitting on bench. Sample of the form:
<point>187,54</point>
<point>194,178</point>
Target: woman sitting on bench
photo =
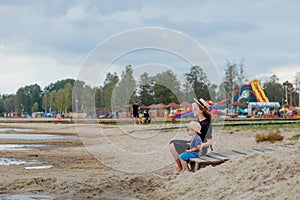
<point>200,109</point>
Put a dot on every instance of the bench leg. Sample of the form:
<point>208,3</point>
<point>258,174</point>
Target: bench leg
<point>192,165</point>
<point>196,166</point>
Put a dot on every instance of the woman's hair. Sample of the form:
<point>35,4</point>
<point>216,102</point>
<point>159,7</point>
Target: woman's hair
<point>207,116</point>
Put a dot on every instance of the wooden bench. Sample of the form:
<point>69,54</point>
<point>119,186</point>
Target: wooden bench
<point>217,158</point>
<point>210,159</point>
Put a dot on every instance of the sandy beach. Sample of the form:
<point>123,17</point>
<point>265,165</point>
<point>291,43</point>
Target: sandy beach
<point>125,161</point>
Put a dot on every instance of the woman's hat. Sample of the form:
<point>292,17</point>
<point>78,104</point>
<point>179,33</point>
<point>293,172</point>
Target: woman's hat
<point>204,106</point>
<point>194,126</point>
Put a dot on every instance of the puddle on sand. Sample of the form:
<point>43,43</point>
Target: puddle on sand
<point>47,197</point>
<point>2,129</point>
<point>20,147</point>
<point>26,197</point>
<point>14,161</point>
<point>35,136</point>
<point>40,167</point>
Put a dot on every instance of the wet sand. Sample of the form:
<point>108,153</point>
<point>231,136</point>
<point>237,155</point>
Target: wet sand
<point>132,162</point>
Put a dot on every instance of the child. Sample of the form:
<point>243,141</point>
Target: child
<point>194,129</point>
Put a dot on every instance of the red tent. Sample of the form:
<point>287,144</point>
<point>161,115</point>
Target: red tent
<point>211,102</point>
<point>186,105</point>
<point>222,102</point>
<point>214,112</point>
<point>143,106</point>
<point>237,104</point>
<point>173,105</point>
<point>161,105</point>
<point>152,106</point>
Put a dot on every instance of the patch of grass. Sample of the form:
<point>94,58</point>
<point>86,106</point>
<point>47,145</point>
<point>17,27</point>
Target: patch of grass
<point>272,136</point>
<point>296,137</point>
<point>253,127</point>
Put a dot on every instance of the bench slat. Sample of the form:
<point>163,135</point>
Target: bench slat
<point>245,151</point>
<point>229,154</point>
<point>262,149</point>
<point>211,160</point>
<point>216,156</point>
<point>199,160</point>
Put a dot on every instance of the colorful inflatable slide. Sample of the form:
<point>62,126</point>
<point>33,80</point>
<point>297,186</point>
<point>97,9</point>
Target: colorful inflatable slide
<point>185,113</point>
<point>256,90</point>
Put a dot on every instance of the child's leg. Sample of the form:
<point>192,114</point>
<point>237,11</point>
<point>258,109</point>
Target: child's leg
<point>184,157</point>
<point>184,165</point>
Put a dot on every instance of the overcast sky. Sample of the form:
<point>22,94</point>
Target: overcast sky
<point>45,41</point>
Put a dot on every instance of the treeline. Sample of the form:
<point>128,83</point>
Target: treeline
<point>118,91</point>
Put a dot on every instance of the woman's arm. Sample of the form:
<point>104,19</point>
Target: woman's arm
<point>208,143</point>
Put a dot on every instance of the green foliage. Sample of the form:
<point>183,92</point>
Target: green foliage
<point>146,94</point>
<point>296,137</point>
<point>230,79</point>
<point>234,76</point>
<point>241,74</point>
<point>59,85</point>
<point>2,109</point>
<point>59,100</point>
<point>99,103</point>
<point>272,136</point>
<point>221,92</point>
<point>257,127</point>
<point>35,107</point>
<point>83,98</point>
<point>125,91</point>
<point>273,89</point>
<point>199,82</point>
<point>108,88</point>
<point>166,88</point>
<point>26,97</point>
<point>213,92</point>
<point>9,104</point>
<point>6,103</point>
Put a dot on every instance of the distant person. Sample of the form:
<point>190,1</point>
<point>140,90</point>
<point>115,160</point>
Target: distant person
<point>135,112</point>
<point>265,110</point>
<point>146,117</point>
<point>194,129</point>
<point>259,113</point>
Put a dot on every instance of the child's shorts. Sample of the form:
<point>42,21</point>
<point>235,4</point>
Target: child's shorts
<point>187,155</point>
